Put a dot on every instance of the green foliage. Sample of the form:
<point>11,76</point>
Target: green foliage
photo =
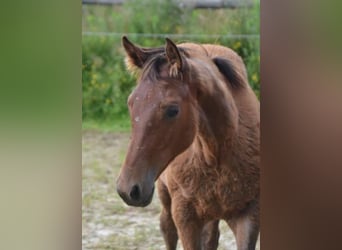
<point>153,16</point>
<point>106,82</point>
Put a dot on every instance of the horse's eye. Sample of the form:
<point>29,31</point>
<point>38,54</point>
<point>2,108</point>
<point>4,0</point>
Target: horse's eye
<point>171,111</point>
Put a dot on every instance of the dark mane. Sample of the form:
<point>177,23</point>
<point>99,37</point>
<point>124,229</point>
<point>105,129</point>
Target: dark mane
<point>152,67</point>
<point>157,59</point>
<point>226,67</point>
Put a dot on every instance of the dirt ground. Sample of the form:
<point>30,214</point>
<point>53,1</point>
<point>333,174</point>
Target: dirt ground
<point>107,223</point>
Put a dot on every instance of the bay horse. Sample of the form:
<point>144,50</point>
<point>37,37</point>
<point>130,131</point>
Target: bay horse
<point>196,129</point>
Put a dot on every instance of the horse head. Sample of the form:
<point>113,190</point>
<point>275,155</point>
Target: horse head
<point>162,116</point>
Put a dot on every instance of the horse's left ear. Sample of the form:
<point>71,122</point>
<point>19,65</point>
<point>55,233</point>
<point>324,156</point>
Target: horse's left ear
<point>174,57</point>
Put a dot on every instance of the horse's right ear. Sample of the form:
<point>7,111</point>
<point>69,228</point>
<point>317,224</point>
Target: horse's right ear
<point>136,57</point>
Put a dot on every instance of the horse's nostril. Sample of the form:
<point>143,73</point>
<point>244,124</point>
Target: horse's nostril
<point>135,193</point>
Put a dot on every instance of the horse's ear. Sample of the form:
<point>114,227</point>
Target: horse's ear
<point>136,57</point>
<point>174,58</point>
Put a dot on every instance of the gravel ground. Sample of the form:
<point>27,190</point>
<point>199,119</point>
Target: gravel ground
<point>107,223</point>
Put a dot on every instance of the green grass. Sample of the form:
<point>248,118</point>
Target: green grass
<point>117,125</point>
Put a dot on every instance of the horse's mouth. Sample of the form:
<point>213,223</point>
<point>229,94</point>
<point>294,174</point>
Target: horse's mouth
<point>147,201</point>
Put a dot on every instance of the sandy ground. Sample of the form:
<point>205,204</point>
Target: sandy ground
<point>107,223</point>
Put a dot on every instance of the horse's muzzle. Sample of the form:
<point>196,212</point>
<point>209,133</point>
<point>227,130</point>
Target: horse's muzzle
<point>135,195</point>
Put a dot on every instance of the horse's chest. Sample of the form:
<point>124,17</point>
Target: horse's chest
<point>213,193</point>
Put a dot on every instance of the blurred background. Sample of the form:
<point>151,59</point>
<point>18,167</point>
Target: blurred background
<point>106,83</point>
<point>107,223</point>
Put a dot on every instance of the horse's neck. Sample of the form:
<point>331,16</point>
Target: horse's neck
<point>218,120</point>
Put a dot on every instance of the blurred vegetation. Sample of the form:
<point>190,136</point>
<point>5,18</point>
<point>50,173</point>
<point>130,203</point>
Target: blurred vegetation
<point>106,83</point>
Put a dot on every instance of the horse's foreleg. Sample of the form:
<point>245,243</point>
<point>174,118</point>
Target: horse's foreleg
<point>169,230</point>
<point>210,235</point>
<point>246,233</point>
<point>188,224</point>
<point>167,225</point>
<point>245,229</point>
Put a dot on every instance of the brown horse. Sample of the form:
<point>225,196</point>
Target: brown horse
<point>195,128</point>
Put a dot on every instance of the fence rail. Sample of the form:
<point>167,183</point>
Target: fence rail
<point>212,4</point>
<point>177,36</point>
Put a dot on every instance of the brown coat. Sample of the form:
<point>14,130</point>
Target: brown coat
<point>199,132</point>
